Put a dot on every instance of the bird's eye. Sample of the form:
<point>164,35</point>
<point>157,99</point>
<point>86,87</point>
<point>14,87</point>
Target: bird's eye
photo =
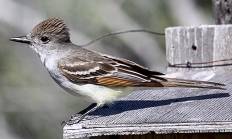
<point>44,39</point>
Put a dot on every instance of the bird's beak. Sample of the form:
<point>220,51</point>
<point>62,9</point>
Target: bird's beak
<point>22,39</point>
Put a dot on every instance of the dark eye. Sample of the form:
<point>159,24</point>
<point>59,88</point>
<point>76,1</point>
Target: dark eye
<point>44,39</point>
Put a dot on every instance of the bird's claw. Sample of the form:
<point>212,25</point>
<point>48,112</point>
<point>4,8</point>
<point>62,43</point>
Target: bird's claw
<point>70,122</point>
<point>63,123</point>
<point>76,118</point>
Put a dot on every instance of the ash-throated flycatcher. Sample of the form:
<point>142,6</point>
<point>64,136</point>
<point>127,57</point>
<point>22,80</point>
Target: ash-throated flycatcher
<point>98,77</point>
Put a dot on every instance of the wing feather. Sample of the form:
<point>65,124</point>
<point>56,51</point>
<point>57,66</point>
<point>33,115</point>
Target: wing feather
<point>105,70</point>
<point>113,81</point>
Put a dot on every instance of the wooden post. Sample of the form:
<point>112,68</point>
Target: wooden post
<point>198,44</point>
<point>222,10</point>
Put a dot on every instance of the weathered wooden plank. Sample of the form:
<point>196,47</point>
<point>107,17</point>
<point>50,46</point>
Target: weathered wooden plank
<point>222,11</point>
<point>197,44</point>
<point>157,128</point>
<point>169,136</point>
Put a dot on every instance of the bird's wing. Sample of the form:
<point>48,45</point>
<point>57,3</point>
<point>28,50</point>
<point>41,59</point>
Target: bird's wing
<point>105,70</point>
<point>132,64</point>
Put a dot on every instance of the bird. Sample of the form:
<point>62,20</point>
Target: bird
<point>94,76</point>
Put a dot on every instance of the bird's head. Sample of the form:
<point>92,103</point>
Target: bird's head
<point>47,35</point>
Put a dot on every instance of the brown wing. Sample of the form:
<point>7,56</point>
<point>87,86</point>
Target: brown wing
<point>85,71</point>
<point>136,66</point>
<point>105,70</point>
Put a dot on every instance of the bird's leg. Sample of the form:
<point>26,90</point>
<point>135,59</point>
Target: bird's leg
<point>82,114</point>
<point>87,109</point>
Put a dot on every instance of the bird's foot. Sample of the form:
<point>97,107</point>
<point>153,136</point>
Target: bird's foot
<point>70,122</point>
<point>74,119</point>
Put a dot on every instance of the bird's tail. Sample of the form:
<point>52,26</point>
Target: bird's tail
<point>173,82</point>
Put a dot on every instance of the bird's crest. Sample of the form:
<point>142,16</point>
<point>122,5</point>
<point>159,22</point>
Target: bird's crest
<point>54,27</point>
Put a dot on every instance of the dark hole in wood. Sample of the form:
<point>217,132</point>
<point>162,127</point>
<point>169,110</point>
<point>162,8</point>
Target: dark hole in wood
<point>228,10</point>
<point>194,47</point>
